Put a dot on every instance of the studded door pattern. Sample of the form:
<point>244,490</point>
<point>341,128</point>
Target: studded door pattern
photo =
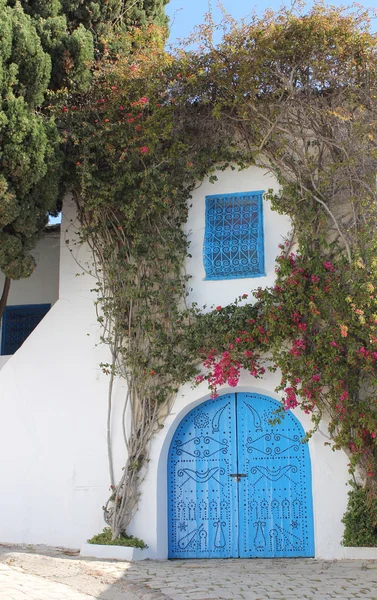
<point>275,499</point>
<point>203,502</point>
<point>267,513</point>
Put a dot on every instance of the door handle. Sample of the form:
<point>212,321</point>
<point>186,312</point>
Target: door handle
<point>237,476</point>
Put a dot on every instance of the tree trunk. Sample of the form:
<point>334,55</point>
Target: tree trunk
<point>4,296</point>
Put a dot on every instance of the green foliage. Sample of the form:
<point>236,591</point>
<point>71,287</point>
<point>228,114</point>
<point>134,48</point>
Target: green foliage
<point>136,162</point>
<point>25,67</point>
<point>105,539</point>
<point>74,33</point>
<point>29,143</point>
<point>72,54</point>
<point>95,15</point>
<point>360,528</point>
<point>46,47</point>
<point>68,50</point>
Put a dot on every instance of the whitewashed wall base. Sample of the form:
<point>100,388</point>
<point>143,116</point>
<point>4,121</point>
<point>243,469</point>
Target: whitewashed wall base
<point>359,553</point>
<point>113,552</point>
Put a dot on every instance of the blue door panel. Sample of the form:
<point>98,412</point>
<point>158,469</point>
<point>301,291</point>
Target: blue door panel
<point>203,504</point>
<point>275,498</point>
<point>268,511</point>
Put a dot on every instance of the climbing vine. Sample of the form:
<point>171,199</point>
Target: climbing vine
<point>137,152</point>
<point>290,93</point>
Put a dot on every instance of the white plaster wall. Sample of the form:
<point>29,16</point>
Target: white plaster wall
<point>42,287</point>
<point>276,229</point>
<point>53,474</point>
<point>3,359</point>
<point>53,406</point>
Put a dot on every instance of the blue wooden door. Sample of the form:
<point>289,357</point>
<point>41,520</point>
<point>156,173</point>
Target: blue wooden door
<point>275,497</point>
<point>203,502</point>
<point>239,486</point>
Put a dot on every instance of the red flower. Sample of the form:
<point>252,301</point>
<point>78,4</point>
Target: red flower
<point>144,149</point>
<point>218,308</point>
<point>328,266</point>
<point>142,100</point>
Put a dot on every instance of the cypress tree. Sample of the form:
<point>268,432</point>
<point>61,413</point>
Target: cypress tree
<point>47,46</point>
<point>29,142</point>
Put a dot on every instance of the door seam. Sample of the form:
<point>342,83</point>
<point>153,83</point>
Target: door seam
<point>237,471</point>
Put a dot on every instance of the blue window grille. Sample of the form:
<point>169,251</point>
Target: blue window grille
<point>18,323</point>
<point>233,241</point>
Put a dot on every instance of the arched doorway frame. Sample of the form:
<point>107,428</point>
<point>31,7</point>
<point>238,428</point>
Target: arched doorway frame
<point>151,520</point>
<point>232,531</point>
<point>329,472</point>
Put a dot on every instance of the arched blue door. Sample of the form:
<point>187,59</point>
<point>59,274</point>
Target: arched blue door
<point>239,486</point>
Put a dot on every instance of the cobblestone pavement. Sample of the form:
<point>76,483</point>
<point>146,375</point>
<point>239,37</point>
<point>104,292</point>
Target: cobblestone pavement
<point>17,585</point>
<point>40,573</point>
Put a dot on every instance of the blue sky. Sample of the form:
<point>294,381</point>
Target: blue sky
<point>185,14</point>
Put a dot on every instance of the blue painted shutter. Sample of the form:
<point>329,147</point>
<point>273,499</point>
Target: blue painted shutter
<point>233,242</point>
<point>275,498</point>
<point>203,504</point>
<point>18,323</point>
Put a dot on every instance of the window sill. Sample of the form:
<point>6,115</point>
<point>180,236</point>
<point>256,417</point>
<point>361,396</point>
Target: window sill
<point>230,277</point>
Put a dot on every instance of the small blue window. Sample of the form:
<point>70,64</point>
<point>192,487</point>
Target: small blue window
<point>18,323</point>
<point>233,241</point>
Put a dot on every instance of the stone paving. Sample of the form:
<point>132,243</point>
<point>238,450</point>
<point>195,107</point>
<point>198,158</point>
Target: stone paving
<point>264,579</point>
<point>40,573</point>
<point>17,585</point>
